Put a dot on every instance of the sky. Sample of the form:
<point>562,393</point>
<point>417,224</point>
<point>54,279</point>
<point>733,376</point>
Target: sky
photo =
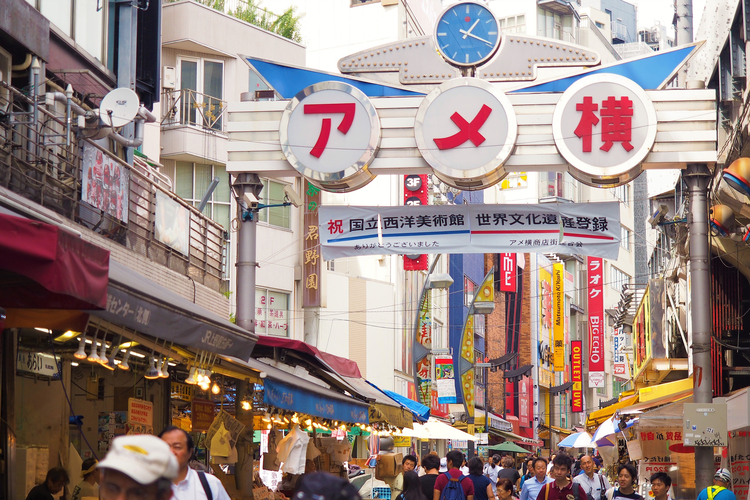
<point>650,11</point>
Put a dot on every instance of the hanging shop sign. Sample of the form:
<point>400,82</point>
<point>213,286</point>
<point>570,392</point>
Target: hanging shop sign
<point>586,229</point>
<point>595,274</point>
<point>286,397</point>
<point>525,401</point>
<point>140,412</point>
<point>444,380</point>
<point>330,133</point>
<point>604,126</point>
<point>576,375</point>
<point>415,194</point>
<point>621,368</point>
<point>558,316</point>
<point>642,334</point>
<point>172,223</point>
<point>739,462</point>
<point>312,260</point>
<point>202,414</point>
<point>546,334</point>
<point>38,363</point>
<point>507,272</point>
<point>424,338</point>
<point>466,129</point>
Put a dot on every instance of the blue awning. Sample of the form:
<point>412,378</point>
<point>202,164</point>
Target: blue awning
<point>418,409</point>
<point>287,397</point>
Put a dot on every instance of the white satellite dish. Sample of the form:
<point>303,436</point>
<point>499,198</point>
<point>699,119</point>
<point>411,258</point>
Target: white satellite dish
<point>119,107</point>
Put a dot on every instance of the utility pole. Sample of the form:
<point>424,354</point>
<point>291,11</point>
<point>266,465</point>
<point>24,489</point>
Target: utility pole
<point>684,32</point>
<point>697,177</point>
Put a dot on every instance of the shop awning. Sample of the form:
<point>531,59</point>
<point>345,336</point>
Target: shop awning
<point>337,364</point>
<point>512,436</point>
<point>655,403</point>
<point>595,418</point>
<point>435,429</point>
<point>46,267</point>
<point>420,411</point>
<point>496,421</point>
<point>561,430</point>
<point>289,392</point>
<point>664,390</point>
<point>137,302</point>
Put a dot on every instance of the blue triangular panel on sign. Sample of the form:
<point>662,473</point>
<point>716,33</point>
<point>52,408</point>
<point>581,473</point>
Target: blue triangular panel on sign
<point>289,80</point>
<point>648,72</point>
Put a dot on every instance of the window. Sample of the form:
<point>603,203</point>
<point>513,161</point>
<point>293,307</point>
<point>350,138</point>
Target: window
<point>273,194</point>
<point>515,180</point>
<point>622,193</point>
<point>599,25</point>
<point>201,83</point>
<point>271,312</point>
<point>191,184</point>
<point>558,185</point>
<point>625,237</point>
<point>617,278</point>
<point>513,24</point>
<point>553,25</point>
<point>82,20</point>
<point>469,290</point>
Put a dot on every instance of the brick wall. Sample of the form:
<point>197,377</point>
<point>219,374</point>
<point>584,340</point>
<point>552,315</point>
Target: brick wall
<point>495,336</point>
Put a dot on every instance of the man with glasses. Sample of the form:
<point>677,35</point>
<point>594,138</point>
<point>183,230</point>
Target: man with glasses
<point>139,467</point>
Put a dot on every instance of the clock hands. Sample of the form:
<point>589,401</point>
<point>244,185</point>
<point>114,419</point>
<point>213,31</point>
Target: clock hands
<point>465,33</point>
<point>469,33</point>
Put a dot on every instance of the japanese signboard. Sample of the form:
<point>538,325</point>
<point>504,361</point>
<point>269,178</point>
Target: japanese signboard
<point>444,380</point>
<point>271,312</point>
<point>525,401</point>
<point>466,129</point>
<point>508,272</point>
<point>558,316</point>
<point>615,127</point>
<point>415,194</point>
<point>564,228</point>
<point>739,462</point>
<point>435,406</point>
<point>576,375</point>
<point>704,424</point>
<point>642,334</point>
<point>546,335</point>
<point>655,453</point>
<point>140,412</point>
<point>37,362</point>
<point>105,183</point>
<point>202,414</point>
<point>595,291</point>
<point>621,367</point>
<point>424,337</point>
<point>312,261</point>
<point>330,133</point>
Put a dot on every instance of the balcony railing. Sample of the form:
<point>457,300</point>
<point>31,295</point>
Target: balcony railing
<point>188,107</point>
<point>36,163</point>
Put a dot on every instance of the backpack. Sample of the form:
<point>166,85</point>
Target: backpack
<point>453,490</point>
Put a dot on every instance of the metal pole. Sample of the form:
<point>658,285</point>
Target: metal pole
<point>697,177</point>
<point>684,32</point>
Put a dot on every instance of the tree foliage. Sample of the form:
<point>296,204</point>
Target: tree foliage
<point>286,24</point>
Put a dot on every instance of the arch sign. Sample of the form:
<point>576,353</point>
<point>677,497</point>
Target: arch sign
<point>602,129</point>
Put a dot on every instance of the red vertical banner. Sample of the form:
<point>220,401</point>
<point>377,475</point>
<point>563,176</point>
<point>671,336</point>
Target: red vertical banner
<point>415,194</point>
<point>507,272</point>
<point>576,375</point>
<point>594,266</point>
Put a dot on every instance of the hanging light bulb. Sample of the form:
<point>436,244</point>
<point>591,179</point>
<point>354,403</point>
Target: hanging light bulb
<point>124,363</point>
<point>191,377</point>
<point>93,356</point>
<point>103,352</point>
<point>81,352</point>
<point>215,388</point>
<point>245,405</point>
<point>164,370</point>
<point>153,372</point>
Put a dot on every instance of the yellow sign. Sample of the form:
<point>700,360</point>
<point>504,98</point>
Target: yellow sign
<point>545,378</point>
<point>642,334</point>
<point>404,441</point>
<point>558,316</point>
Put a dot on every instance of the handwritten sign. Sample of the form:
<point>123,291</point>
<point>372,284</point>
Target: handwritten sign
<point>739,462</point>
<point>202,414</point>
<point>140,412</point>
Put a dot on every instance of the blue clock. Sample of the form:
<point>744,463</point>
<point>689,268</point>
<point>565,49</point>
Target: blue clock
<point>467,34</point>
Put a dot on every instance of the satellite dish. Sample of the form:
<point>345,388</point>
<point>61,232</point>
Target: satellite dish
<point>119,107</point>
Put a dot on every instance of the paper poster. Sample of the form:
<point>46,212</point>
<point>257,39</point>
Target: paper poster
<point>172,223</point>
<point>105,183</point>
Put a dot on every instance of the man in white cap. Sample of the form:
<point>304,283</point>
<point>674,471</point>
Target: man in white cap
<point>140,466</point>
<point>720,490</point>
<point>188,483</point>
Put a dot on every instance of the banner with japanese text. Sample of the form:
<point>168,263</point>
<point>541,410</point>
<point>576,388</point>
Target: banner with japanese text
<point>585,229</point>
<point>576,375</point>
<point>739,462</point>
<point>558,316</point>
<point>312,295</point>
<point>424,337</point>
<point>621,368</point>
<point>445,380</point>
<point>508,272</point>
<point>546,336</point>
<point>595,280</point>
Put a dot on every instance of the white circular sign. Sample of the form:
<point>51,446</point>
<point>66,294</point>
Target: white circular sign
<point>604,126</point>
<point>330,133</point>
<point>466,129</point>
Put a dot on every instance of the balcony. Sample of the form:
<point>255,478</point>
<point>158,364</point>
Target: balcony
<point>193,126</point>
<point>37,164</point>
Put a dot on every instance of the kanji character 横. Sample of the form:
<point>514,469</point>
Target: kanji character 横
<point>617,123</point>
<point>584,130</point>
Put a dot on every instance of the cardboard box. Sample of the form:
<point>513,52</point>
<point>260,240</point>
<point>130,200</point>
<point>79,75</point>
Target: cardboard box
<point>389,465</point>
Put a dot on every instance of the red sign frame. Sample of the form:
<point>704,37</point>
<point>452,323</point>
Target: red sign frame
<point>415,193</point>
<point>595,289</point>
<point>576,375</point>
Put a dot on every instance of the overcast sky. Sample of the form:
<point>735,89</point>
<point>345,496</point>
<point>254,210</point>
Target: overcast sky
<point>651,11</point>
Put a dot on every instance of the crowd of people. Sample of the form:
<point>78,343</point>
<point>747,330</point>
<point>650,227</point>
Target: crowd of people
<point>144,467</point>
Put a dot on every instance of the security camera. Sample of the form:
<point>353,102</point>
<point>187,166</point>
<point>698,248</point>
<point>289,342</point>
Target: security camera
<point>251,200</point>
<point>659,216</point>
<point>292,196</point>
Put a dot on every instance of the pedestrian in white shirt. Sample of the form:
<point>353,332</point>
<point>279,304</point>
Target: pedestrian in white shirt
<point>190,484</point>
<point>595,485</point>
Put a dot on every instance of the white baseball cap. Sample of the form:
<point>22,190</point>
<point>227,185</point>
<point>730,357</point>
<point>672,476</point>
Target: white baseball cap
<point>443,465</point>
<point>143,458</point>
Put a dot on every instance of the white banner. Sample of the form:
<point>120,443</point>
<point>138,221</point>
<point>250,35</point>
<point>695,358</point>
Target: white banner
<point>621,370</point>
<point>585,229</point>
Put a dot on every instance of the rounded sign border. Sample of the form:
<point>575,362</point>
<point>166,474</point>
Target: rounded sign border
<point>356,174</point>
<point>491,172</point>
<point>450,60</point>
<point>592,174</point>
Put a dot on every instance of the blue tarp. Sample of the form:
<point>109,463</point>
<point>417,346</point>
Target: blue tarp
<point>418,409</point>
<point>285,396</point>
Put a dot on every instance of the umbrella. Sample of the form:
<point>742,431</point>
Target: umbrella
<point>607,428</point>
<point>508,447</point>
<point>577,440</point>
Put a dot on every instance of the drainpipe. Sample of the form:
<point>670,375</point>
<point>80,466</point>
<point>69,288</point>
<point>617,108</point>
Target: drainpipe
<point>144,116</point>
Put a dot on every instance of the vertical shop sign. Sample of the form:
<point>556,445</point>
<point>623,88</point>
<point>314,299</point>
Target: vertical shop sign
<point>620,363</point>
<point>445,380</point>
<point>595,280</point>
<point>424,337</point>
<point>312,260</point>
<point>507,272</point>
<point>739,462</point>
<point>415,194</point>
<point>576,376</point>
<point>546,346</point>
<point>558,316</point>
<point>525,401</point>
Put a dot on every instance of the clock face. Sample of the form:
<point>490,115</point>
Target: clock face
<point>467,34</point>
